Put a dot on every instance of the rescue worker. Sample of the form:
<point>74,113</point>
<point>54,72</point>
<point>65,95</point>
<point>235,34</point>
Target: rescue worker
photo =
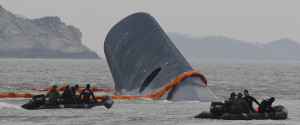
<point>87,92</point>
<point>232,96</point>
<point>249,99</point>
<point>239,105</point>
<point>76,87</point>
<point>266,105</point>
<point>76,95</point>
<point>228,103</point>
<point>67,96</point>
<point>53,96</point>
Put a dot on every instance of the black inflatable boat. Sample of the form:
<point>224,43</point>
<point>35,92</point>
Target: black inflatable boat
<point>38,102</point>
<point>280,112</point>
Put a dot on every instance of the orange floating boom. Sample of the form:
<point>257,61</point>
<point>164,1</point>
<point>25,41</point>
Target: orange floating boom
<point>15,95</point>
<point>159,93</point>
<point>63,88</point>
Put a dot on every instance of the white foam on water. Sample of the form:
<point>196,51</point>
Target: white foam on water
<point>165,101</point>
<point>15,99</point>
<point>8,106</point>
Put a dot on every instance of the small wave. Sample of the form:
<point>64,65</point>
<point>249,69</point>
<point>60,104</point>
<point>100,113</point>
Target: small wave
<point>164,101</point>
<point>168,101</point>
<point>6,99</point>
<point>8,106</point>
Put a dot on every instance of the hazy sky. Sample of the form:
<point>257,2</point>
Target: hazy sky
<point>247,20</point>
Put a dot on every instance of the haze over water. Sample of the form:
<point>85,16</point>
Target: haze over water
<point>262,78</point>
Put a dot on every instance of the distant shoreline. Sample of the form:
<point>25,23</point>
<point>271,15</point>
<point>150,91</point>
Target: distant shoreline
<point>224,48</point>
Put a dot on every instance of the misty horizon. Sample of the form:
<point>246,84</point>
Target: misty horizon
<point>250,21</point>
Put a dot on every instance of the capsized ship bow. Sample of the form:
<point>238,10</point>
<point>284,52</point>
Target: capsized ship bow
<point>143,59</point>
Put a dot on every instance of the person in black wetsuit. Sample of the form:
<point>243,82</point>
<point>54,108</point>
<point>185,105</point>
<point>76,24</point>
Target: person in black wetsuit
<point>87,92</point>
<point>76,87</point>
<point>67,96</point>
<point>266,106</point>
<point>76,97</point>
<point>249,99</point>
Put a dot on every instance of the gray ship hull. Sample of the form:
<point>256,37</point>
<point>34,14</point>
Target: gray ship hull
<point>143,59</point>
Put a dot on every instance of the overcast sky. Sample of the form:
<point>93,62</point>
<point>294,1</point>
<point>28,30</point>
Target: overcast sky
<point>247,20</point>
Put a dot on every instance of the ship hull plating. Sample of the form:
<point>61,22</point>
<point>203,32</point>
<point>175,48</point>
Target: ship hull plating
<point>143,59</point>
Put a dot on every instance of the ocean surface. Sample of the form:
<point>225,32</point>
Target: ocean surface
<point>263,79</point>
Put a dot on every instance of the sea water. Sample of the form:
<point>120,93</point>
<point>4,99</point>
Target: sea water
<point>263,79</point>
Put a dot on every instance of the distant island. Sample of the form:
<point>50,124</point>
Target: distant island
<point>218,47</point>
<point>46,37</point>
<point>49,37</point>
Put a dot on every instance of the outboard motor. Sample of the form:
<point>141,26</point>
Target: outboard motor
<point>108,102</point>
<point>280,112</point>
<point>216,109</point>
<point>37,101</point>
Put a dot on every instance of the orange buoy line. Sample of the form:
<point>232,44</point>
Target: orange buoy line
<point>15,95</point>
<point>159,93</point>
<point>63,88</point>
